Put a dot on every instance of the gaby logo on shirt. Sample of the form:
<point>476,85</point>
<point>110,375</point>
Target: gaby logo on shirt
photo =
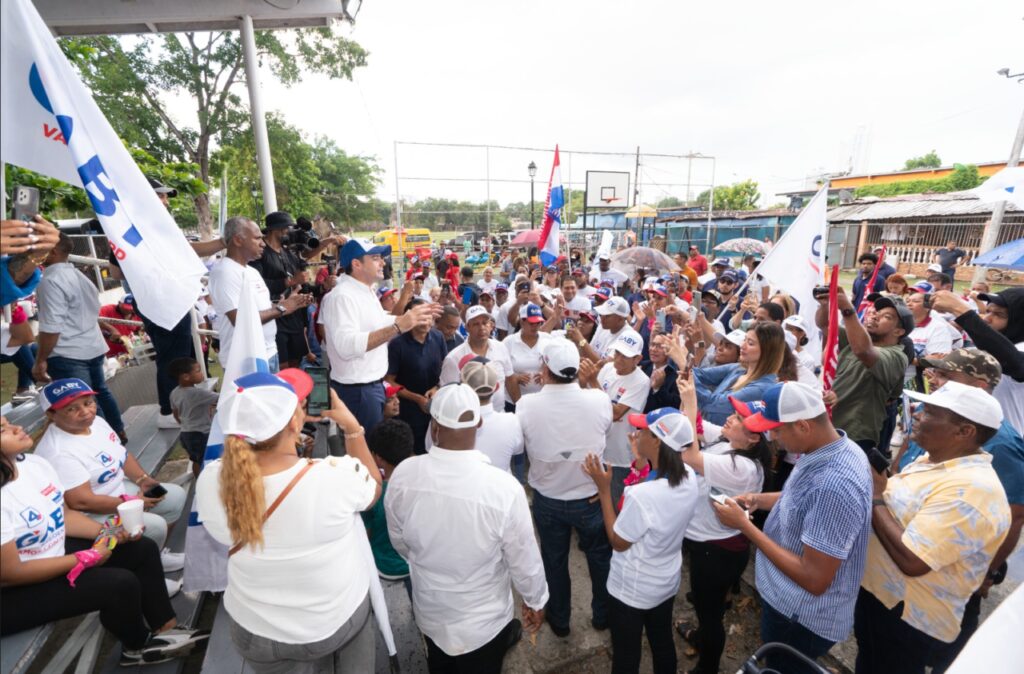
<point>105,459</point>
<point>31,516</point>
<point>39,536</point>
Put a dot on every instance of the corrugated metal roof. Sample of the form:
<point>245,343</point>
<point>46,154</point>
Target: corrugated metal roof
<point>913,206</point>
<point>728,215</point>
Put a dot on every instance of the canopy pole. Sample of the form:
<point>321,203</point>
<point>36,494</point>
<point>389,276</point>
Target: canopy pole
<point>259,121</point>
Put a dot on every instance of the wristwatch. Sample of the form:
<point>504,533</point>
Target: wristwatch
<point>280,307</point>
<point>582,343</point>
<point>847,312</point>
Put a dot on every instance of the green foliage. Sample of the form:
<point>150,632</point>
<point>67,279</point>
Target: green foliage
<point>963,177</point>
<point>57,199</point>
<point>670,202</point>
<point>930,160</point>
<point>741,196</point>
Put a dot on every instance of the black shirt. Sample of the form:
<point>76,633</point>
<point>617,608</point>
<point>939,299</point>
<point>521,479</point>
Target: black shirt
<point>948,258</point>
<point>276,268</point>
<point>417,366</point>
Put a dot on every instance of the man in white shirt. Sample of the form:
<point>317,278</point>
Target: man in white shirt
<point>488,283</point>
<point>465,529</point>
<point>627,387</point>
<point>575,302</point>
<point>557,441</point>
<point>604,272</point>
<point>930,334</point>
<point>479,326</point>
<point>231,273</point>
<point>583,287</point>
<point>614,317</point>
<point>357,330</point>
<point>499,436</point>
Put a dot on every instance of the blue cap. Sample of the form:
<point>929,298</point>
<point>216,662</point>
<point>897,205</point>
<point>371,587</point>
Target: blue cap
<point>659,289</point>
<point>922,287</point>
<point>729,274</point>
<point>357,248</point>
<point>501,286</point>
<point>668,425</point>
<point>603,292</point>
<point>531,313</point>
<point>383,292</point>
<point>722,262</point>
<point>61,392</point>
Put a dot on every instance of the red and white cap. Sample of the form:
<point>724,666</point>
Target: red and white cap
<point>785,403</point>
<point>260,406</point>
<point>668,425</point>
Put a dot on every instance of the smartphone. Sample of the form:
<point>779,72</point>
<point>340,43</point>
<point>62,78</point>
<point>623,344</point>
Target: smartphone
<point>155,492</point>
<point>659,319</point>
<point>568,324</point>
<point>523,288</point>
<point>26,203</point>
<point>820,292</point>
<point>446,289</point>
<point>717,495</point>
<point>319,399</point>
<point>698,299</point>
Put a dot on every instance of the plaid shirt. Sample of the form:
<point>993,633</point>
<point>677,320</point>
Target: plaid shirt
<point>826,505</point>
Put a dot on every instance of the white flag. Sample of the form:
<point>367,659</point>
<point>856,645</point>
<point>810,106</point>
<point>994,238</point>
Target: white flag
<point>51,124</point>
<point>796,263</point>
<point>206,560</point>
<point>1007,185</point>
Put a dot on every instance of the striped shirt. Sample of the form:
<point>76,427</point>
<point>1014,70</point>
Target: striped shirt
<point>826,505</point>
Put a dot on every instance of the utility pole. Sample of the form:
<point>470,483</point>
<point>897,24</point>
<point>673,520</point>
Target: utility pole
<point>990,236</point>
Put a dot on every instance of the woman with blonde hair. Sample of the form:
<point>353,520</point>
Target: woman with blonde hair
<point>787,303</point>
<point>298,580</point>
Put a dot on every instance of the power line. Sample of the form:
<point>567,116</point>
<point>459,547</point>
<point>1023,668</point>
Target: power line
<point>694,155</point>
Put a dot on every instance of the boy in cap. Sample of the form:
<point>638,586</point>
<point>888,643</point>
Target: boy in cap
<point>811,554</point>
<point>499,436</point>
<point>627,387</point>
<point>936,526</point>
<point>465,563</point>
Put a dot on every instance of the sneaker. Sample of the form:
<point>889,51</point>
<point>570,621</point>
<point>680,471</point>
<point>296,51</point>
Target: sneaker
<point>167,421</point>
<point>172,561</point>
<point>173,586</point>
<point>165,646</point>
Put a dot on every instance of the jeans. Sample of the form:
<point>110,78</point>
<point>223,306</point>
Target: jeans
<point>627,627</point>
<point>128,591</point>
<point>366,401</point>
<point>24,359</point>
<point>886,643</point>
<point>776,627</point>
<point>555,521</point>
<point>350,650</point>
<point>169,345</point>
<point>713,571</point>
<point>485,660</point>
<point>91,372</point>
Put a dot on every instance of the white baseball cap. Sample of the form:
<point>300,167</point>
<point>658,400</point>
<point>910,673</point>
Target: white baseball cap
<point>734,337</point>
<point>668,425</point>
<point>629,343</point>
<point>260,406</point>
<point>604,256</point>
<point>614,306</point>
<point>561,357</point>
<point>475,312</point>
<point>970,402</point>
<point>451,403</point>
<point>935,267</point>
<point>796,321</point>
<point>784,403</point>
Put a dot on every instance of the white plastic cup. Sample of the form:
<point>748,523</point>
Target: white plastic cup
<point>131,516</point>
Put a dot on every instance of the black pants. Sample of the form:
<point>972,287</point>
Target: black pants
<point>713,571</point>
<point>128,591</point>
<point>485,660</point>
<point>169,345</point>
<point>968,626</point>
<point>886,644</point>
<point>627,627</point>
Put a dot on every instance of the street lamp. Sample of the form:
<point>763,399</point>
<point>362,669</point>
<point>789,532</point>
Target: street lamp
<point>532,169</point>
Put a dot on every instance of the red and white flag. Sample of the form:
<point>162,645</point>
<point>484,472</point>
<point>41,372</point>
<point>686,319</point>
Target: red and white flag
<point>830,357</point>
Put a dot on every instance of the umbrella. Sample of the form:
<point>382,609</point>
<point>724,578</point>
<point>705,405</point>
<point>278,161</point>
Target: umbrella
<point>742,245</point>
<point>1007,256</point>
<point>642,211</point>
<point>630,259</point>
<point>530,237</point>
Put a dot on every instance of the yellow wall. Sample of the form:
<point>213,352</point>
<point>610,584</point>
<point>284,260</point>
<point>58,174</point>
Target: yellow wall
<point>922,174</point>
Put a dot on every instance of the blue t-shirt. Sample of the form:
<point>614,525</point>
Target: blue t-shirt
<point>1007,450</point>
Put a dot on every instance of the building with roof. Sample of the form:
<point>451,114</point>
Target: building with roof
<point>843,186</point>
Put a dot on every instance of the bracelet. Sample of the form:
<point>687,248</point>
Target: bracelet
<point>398,330</point>
<point>356,434</point>
<point>86,559</point>
<point>878,502</point>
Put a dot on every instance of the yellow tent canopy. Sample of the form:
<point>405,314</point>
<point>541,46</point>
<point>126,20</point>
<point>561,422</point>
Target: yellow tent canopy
<point>642,211</point>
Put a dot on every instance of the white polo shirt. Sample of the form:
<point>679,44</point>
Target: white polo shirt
<point>729,473</point>
<point>562,423</point>
<point>487,286</point>
<point>465,528</point>
<point>499,437</point>
<point>603,340</point>
<point>349,313</point>
<point>526,359</point>
<point>501,320</point>
<point>226,280</point>
<point>630,390</point>
<point>577,305</point>
<point>654,518</point>
<point>499,359</point>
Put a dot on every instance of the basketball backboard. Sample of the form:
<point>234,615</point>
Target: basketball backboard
<point>607,189</point>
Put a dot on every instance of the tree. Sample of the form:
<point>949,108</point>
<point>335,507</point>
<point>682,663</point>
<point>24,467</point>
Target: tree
<point>930,160</point>
<point>963,177</point>
<point>347,184</point>
<point>741,196</point>
<point>670,202</point>
<point>127,75</point>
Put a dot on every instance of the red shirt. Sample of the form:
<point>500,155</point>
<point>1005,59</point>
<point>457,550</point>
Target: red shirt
<point>110,311</point>
<point>699,264</point>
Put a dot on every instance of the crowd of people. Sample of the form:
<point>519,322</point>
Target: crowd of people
<point>673,419</point>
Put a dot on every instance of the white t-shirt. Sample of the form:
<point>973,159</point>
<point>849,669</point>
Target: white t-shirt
<point>933,337</point>
<point>499,437</point>
<point>603,340</point>
<point>226,279</point>
<point>5,337</point>
<point>805,369</point>
<point>526,360</point>
<point>588,291</point>
<point>501,321</point>
<point>97,458</point>
<point>487,286</point>
<point>613,275</point>
<point>1010,394</point>
<point>630,390</point>
<point>32,511</point>
<point>498,358</point>
<point>654,518</point>
<point>577,305</point>
<point>311,573</point>
<point>732,474</point>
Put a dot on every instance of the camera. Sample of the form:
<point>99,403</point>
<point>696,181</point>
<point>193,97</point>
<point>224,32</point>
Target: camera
<point>300,237</point>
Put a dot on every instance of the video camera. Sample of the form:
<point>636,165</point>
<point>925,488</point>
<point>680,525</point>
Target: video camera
<point>300,237</point>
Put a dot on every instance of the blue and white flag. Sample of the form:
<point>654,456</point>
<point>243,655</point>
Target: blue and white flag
<point>206,560</point>
<point>549,233</point>
<point>1006,185</point>
<point>49,123</point>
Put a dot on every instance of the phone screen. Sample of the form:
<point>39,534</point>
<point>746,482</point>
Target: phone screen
<point>716,494</point>
<point>319,398</point>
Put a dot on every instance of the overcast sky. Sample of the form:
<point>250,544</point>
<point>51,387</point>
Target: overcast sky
<point>776,92</point>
